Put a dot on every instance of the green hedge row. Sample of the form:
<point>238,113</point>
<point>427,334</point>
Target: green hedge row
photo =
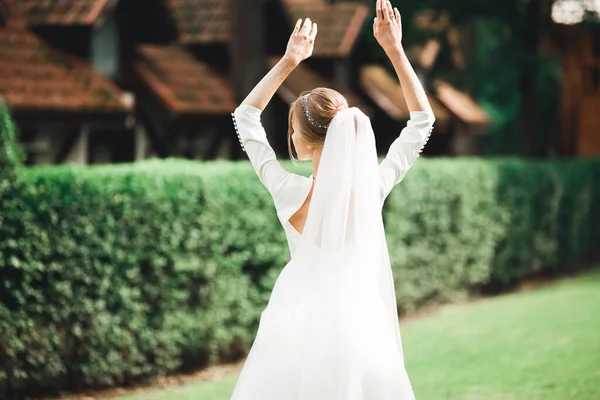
<point>455,227</point>
<point>115,273</point>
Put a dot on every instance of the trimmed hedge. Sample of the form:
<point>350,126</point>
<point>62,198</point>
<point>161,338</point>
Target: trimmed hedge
<point>461,226</point>
<point>116,273</point>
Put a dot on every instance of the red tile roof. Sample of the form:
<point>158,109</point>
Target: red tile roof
<point>183,83</point>
<point>339,24</point>
<point>201,21</point>
<point>35,76</point>
<point>304,78</point>
<point>385,90</point>
<point>462,105</point>
<point>64,12</point>
<point>208,21</point>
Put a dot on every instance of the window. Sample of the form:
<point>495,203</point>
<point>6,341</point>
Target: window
<point>111,146</point>
<point>31,144</point>
<point>105,48</point>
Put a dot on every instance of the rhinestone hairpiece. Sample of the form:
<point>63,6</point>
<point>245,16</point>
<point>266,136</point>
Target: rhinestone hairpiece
<point>308,117</point>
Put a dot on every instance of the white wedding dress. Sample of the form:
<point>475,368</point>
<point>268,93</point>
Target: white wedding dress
<point>330,330</point>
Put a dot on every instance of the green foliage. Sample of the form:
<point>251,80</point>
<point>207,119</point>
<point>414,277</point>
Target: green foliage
<point>10,157</point>
<point>459,226</point>
<point>115,273</point>
<point>10,161</point>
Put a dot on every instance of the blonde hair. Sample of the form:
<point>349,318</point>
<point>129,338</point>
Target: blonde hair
<point>314,111</point>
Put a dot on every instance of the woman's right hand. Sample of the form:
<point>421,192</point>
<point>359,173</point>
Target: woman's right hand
<point>387,26</point>
<point>302,41</point>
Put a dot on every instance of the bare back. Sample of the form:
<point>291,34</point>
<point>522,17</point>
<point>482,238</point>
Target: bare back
<point>298,219</point>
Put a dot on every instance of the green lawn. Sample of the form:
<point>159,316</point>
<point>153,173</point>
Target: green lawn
<point>537,345</point>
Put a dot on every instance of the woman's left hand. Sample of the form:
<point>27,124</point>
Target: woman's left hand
<point>302,41</point>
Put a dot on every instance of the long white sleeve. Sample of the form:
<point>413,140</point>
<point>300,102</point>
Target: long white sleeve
<point>405,150</point>
<point>253,139</point>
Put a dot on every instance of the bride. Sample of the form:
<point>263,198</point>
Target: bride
<point>330,330</point>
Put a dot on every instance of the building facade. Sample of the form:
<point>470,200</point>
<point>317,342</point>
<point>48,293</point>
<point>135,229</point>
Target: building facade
<point>97,81</point>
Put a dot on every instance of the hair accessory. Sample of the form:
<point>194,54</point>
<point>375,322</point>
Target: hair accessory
<point>308,117</point>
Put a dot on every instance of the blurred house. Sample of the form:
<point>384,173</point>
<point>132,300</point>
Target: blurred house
<point>185,95</point>
<point>226,48</point>
<point>189,64</point>
<point>577,41</point>
<point>60,91</point>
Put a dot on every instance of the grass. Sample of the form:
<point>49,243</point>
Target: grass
<point>533,345</point>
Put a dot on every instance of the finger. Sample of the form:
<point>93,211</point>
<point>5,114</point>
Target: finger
<point>389,10</point>
<point>298,25</point>
<point>313,32</point>
<point>384,11</point>
<point>379,9</point>
<point>397,14</point>
<point>307,25</point>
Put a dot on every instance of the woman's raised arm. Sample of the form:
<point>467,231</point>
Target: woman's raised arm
<point>387,28</point>
<point>299,48</point>
<point>246,117</point>
<point>388,32</point>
